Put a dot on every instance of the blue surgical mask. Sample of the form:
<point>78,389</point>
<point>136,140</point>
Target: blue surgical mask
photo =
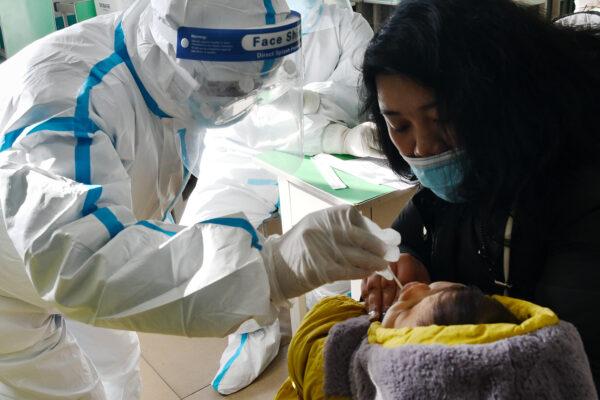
<point>442,174</point>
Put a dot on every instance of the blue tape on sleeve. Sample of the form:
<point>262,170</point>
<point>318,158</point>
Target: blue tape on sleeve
<point>231,45</point>
<point>9,138</point>
<point>92,197</point>
<point>109,220</point>
<point>57,124</point>
<point>123,53</point>
<point>262,182</point>
<point>156,228</point>
<point>237,223</point>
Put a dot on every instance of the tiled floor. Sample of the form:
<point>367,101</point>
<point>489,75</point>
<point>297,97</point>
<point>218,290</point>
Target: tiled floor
<point>175,368</point>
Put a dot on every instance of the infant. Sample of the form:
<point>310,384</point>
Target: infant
<point>444,303</point>
<point>442,340</point>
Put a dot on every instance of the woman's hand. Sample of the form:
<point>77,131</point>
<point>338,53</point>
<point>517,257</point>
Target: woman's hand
<point>379,294</point>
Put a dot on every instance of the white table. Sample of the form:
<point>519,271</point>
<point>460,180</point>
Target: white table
<point>304,191</point>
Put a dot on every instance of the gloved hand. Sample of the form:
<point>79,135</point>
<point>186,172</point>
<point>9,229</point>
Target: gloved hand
<point>379,294</point>
<point>358,141</point>
<point>311,101</point>
<point>325,246</point>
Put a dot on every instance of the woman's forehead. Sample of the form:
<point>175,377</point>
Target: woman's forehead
<point>397,93</point>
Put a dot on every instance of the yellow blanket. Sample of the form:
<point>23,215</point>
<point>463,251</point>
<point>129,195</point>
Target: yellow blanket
<point>305,355</point>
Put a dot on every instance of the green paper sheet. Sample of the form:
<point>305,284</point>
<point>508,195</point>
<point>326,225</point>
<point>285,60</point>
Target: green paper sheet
<point>358,190</point>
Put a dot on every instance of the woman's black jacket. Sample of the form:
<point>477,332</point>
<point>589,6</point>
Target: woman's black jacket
<point>554,250</point>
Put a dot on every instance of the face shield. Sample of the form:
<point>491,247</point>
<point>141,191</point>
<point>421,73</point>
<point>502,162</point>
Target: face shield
<point>313,11</point>
<point>244,58</point>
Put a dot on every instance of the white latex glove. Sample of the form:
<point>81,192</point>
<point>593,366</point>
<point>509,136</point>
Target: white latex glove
<point>311,101</point>
<point>357,141</point>
<point>325,246</point>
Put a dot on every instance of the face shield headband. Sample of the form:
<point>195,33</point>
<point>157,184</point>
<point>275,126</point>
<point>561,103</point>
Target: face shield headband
<point>239,68</point>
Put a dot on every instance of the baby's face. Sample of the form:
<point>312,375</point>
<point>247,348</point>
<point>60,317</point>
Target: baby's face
<point>415,303</point>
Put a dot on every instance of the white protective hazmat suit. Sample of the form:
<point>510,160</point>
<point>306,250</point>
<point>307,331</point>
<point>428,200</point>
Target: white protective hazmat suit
<point>89,165</point>
<point>334,40</point>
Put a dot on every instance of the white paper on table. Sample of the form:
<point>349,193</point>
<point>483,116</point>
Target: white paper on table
<point>372,170</point>
<point>328,173</point>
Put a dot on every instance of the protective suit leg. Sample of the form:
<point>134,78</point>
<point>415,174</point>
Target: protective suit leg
<point>53,369</point>
<point>229,178</point>
<point>116,356</point>
<point>239,181</point>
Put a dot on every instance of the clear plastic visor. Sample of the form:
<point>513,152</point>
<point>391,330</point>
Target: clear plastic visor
<point>255,105</point>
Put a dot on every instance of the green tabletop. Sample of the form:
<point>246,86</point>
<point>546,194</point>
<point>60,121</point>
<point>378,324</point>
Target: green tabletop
<point>304,170</point>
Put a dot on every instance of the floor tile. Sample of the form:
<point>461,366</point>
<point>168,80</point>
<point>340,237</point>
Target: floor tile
<point>265,387</point>
<point>153,387</point>
<point>186,365</point>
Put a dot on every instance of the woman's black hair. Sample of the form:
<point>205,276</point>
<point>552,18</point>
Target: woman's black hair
<point>519,95</point>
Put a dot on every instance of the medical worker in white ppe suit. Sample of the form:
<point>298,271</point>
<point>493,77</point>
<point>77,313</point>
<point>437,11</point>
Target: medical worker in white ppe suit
<point>94,121</point>
<point>334,39</point>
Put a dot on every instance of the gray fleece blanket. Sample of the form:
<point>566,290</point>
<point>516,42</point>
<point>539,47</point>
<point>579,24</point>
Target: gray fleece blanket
<point>548,364</point>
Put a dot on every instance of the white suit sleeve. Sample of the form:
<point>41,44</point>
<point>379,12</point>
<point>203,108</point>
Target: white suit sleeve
<point>90,259</point>
<point>339,95</point>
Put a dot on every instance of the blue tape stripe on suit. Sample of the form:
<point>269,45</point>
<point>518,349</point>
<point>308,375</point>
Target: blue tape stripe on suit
<point>235,355</point>
<point>57,124</point>
<point>262,182</point>
<point>269,20</point>
<point>121,50</point>
<point>83,168</point>
<point>97,74</point>
<point>238,223</point>
<point>270,16</point>
<point>66,124</point>
<point>82,155</point>
<point>89,205</point>
<point>109,220</point>
<point>9,138</point>
<point>156,228</point>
